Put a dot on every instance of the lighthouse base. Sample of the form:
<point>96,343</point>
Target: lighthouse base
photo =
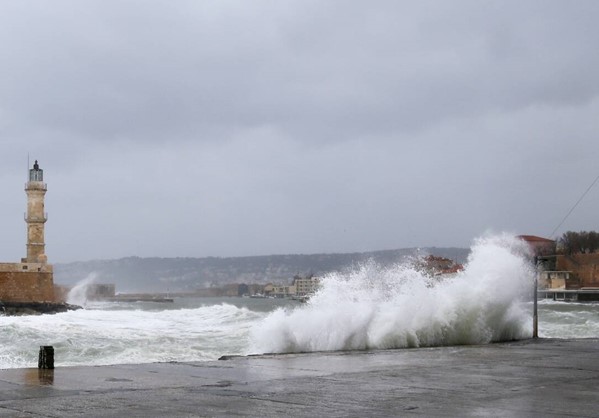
<point>26,282</point>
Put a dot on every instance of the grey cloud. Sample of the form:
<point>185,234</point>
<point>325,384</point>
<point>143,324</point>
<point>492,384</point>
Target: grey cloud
<point>154,72</point>
<point>229,128</point>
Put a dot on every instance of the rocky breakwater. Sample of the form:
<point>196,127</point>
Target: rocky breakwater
<point>10,308</point>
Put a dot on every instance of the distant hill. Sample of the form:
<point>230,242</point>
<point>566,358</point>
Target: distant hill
<point>135,274</point>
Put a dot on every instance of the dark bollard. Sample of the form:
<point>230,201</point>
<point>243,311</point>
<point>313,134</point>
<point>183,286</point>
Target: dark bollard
<point>46,359</point>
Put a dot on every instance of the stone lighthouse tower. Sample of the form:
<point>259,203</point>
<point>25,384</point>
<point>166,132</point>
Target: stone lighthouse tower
<point>31,280</point>
<point>35,217</point>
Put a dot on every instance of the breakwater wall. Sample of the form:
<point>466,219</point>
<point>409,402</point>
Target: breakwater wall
<point>26,282</point>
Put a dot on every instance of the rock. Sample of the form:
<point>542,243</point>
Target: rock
<point>9,308</point>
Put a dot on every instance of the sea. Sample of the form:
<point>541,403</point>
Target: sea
<point>366,307</point>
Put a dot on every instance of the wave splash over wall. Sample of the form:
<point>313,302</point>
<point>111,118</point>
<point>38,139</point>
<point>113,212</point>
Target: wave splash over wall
<point>381,308</point>
<point>78,294</point>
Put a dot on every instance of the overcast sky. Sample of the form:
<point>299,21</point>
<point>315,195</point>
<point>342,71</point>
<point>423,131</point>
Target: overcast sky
<point>231,128</point>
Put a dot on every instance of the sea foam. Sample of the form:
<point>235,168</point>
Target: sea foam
<point>372,307</point>
<point>103,334</point>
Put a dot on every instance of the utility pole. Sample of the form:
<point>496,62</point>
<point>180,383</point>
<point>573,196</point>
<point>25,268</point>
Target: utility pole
<point>535,315</point>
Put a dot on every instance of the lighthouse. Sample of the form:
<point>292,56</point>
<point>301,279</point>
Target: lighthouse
<point>36,217</point>
<point>32,280</point>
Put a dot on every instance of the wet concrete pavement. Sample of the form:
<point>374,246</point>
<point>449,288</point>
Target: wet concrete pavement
<point>535,378</point>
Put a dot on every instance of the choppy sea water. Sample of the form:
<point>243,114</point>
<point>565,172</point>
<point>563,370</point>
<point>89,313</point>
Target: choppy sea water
<point>368,307</point>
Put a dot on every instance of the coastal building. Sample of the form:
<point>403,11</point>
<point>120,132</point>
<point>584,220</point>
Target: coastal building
<point>31,280</point>
<point>283,291</point>
<point>573,277</point>
<point>554,279</point>
<point>305,286</point>
<point>439,266</point>
<point>539,246</point>
<point>584,269</point>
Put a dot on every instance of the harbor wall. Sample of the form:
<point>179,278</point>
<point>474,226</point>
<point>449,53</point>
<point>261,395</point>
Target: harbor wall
<point>26,282</point>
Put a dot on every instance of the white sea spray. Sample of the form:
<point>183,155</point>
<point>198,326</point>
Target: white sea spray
<point>78,294</point>
<point>374,307</point>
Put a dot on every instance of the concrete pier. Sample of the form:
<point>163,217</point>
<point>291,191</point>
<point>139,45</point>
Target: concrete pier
<point>571,295</point>
<point>533,378</point>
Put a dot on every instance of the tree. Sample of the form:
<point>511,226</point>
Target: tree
<point>583,242</point>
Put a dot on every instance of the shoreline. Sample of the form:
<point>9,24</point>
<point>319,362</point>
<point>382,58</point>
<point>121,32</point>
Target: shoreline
<point>234,357</point>
<point>12,308</point>
<point>543,377</point>
<point>274,355</point>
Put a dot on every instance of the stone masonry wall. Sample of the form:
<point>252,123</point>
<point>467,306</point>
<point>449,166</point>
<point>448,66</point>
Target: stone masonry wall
<point>584,267</point>
<point>35,284</point>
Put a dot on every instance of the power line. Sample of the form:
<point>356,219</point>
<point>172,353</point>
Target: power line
<point>574,207</point>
